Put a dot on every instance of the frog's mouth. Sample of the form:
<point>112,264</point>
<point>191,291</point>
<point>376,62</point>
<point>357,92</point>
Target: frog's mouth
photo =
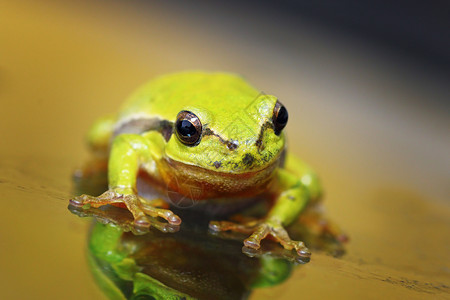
<point>205,183</point>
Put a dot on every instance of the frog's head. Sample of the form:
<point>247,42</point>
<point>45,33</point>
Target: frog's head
<point>226,135</point>
<point>237,143</point>
<point>229,131</point>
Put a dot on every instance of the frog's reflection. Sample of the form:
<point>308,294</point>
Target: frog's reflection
<point>190,261</point>
<point>186,264</point>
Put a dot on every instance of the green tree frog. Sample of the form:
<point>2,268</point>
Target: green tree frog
<point>219,134</point>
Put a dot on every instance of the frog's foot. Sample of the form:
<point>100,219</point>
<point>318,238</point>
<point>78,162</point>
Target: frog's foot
<point>134,203</point>
<point>260,230</point>
<point>121,218</point>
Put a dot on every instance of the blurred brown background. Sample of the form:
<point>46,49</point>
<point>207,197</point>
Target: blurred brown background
<point>366,86</point>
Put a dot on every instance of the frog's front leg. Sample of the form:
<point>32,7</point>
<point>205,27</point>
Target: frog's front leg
<point>128,153</point>
<point>289,204</point>
<point>295,186</point>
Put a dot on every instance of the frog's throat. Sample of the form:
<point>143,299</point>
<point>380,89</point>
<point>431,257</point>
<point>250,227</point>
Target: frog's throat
<point>200,183</point>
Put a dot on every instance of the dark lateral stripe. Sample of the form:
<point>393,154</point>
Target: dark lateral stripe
<point>230,145</point>
<point>141,125</point>
<point>259,144</point>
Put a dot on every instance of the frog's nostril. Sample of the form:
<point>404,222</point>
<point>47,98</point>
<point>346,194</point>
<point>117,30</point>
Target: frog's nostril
<point>248,159</point>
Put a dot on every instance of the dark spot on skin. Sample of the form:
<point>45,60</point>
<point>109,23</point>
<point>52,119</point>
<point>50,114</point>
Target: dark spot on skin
<point>292,198</point>
<point>248,159</point>
<point>259,143</point>
<point>217,164</point>
<point>231,145</point>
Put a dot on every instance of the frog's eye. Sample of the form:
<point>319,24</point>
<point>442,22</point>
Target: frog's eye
<point>188,128</point>
<point>280,117</point>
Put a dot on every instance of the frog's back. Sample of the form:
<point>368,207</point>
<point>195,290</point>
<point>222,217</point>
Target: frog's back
<point>163,97</point>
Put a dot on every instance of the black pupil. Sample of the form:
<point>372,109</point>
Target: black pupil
<point>186,128</point>
<point>282,117</point>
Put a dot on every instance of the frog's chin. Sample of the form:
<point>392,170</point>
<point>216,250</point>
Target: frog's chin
<point>199,183</point>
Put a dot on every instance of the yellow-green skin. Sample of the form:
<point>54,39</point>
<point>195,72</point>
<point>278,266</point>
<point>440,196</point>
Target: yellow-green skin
<point>239,154</point>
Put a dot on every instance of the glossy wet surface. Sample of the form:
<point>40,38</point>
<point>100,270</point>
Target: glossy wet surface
<point>374,126</point>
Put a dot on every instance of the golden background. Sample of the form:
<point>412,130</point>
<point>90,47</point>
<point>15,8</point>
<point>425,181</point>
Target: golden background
<point>373,124</point>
